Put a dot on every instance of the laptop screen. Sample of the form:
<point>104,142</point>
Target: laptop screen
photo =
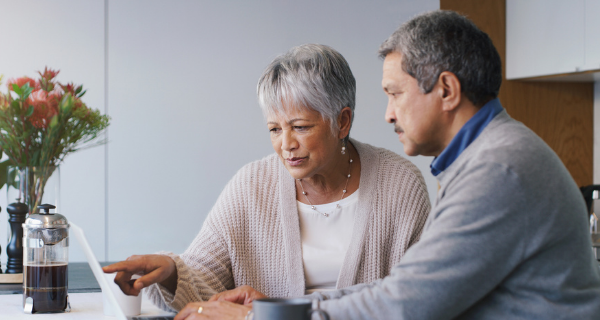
<point>99,274</point>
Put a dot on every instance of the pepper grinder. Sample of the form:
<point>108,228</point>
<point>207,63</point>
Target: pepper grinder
<point>17,212</point>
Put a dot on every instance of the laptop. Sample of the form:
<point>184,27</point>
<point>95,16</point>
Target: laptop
<point>104,285</point>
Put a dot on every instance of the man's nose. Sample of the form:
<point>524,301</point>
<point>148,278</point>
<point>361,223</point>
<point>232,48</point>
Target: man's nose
<point>390,116</point>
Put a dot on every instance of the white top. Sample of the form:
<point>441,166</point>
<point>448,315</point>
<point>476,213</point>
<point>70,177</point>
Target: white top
<point>325,241</point>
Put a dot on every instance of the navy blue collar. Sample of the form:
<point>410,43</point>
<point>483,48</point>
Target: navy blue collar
<point>467,134</point>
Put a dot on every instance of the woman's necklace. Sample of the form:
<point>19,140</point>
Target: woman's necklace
<point>342,197</point>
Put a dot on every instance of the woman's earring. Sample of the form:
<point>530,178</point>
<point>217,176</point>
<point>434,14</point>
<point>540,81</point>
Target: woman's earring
<point>343,146</point>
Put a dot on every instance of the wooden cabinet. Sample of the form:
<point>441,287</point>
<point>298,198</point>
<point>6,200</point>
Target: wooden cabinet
<point>552,38</point>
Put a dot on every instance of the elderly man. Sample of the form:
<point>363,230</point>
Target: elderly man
<point>508,236</point>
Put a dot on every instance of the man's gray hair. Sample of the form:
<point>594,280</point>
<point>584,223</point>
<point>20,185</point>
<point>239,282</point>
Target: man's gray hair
<point>439,41</point>
<point>310,76</point>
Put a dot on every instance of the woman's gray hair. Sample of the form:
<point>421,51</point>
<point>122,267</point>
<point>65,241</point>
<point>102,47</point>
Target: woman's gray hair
<point>439,41</point>
<point>310,76</point>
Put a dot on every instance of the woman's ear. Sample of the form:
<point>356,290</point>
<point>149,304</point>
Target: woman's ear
<point>344,122</point>
<point>450,90</point>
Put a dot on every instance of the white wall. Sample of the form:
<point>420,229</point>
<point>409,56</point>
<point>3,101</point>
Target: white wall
<point>181,79</point>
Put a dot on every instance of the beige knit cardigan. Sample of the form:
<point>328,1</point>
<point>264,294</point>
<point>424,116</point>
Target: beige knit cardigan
<point>252,237</point>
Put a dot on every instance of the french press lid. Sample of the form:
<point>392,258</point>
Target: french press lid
<point>46,219</point>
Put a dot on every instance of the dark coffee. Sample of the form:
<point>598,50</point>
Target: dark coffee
<point>47,285</point>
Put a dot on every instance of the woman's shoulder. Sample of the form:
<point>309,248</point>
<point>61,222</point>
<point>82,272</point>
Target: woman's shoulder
<point>254,184</point>
<point>258,171</point>
<point>389,163</point>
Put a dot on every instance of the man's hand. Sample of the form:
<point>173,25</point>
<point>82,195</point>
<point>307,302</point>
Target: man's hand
<point>154,268</point>
<point>213,310</point>
<point>240,295</point>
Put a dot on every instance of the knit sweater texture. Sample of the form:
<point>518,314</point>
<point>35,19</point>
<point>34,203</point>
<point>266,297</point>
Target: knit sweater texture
<point>252,237</point>
<point>508,238</point>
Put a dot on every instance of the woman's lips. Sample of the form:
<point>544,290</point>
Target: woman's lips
<point>295,161</point>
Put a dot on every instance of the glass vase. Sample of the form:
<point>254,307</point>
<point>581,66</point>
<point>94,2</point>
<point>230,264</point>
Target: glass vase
<point>34,186</point>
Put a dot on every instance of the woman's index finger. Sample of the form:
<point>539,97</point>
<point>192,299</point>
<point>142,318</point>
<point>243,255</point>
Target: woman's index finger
<point>126,266</point>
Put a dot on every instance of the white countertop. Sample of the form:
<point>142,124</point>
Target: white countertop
<point>83,306</point>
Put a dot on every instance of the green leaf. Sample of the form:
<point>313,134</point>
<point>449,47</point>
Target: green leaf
<point>17,89</point>
<point>27,90</point>
<point>29,111</point>
<point>16,106</point>
<point>36,155</point>
<point>54,122</point>
<point>4,172</point>
<point>12,171</point>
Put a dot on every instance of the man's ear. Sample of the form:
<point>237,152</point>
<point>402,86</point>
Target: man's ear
<point>449,90</point>
<point>344,122</point>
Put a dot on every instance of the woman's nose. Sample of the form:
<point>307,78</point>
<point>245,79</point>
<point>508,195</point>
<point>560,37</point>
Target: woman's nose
<point>288,142</point>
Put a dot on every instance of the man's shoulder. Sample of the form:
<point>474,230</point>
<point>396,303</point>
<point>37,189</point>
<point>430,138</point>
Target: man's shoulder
<point>510,142</point>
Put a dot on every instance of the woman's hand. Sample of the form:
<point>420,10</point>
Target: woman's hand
<point>213,310</point>
<point>240,295</point>
<point>154,268</point>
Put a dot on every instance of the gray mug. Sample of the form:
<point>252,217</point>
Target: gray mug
<point>284,309</point>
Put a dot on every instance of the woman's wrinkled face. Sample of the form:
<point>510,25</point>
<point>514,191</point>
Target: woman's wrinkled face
<point>304,142</point>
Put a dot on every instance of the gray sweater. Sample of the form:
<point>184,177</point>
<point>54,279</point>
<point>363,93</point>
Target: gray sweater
<point>252,234</point>
<point>508,238</point>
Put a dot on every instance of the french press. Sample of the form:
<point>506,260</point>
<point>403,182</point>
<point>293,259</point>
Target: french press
<point>45,261</point>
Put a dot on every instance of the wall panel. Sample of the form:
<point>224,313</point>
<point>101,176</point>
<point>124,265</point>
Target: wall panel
<point>66,35</point>
<point>182,77</point>
<point>181,81</point>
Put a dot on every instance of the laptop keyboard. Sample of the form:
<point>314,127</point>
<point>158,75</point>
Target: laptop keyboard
<point>153,318</point>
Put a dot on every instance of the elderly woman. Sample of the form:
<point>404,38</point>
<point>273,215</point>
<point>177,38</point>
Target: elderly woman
<point>323,212</point>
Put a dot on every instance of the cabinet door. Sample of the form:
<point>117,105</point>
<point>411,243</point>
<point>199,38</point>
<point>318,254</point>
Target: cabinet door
<point>544,37</point>
<point>592,34</point>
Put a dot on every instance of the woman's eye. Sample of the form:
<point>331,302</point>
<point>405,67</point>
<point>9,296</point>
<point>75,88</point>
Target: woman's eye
<point>301,128</point>
<point>274,130</point>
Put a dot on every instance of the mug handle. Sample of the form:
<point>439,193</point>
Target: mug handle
<point>319,311</point>
<point>250,315</point>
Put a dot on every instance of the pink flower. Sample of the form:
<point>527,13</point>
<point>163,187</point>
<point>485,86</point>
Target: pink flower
<point>49,74</point>
<point>46,79</point>
<point>45,106</point>
<point>21,82</point>
<point>74,91</point>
